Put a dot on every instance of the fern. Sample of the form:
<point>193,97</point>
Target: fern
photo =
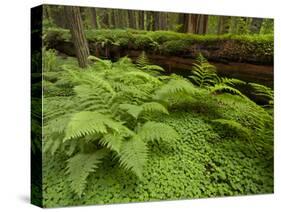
<point>86,123</point>
<point>142,60</point>
<point>49,60</point>
<point>80,166</point>
<point>150,107</point>
<point>112,141</point>
<point>203,73</point>
<point>245,132</point>
<point>133,155</point>
<point>155,131</point>
<point>226,88</point>
<point>173,88</point>
<point>105,64</point>
<point>263,91</point>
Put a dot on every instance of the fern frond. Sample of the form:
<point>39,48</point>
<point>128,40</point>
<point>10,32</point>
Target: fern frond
<point>113,141</point>
<point>149,107</point>
<point>80,166</point>
<point>133,155</point>
<point>154,107</point>
<point>105,64</point>
<point>133,110</point>
<point>223,87</point>
<point>174,87</point>
<point>86,123</point>
<point>241,130</point>
<point>142,60</point>
<point>263,91</point>
<point>203,73</point>
<point>232,81</point>
<point>155,131</point>
<point>153,68</point>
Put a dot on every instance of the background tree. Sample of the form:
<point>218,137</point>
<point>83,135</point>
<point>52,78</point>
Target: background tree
<point>93,17</point>
<point>224,24</point>
<point>132,19</point>
<point>77,34</point>
<point>256,25</point>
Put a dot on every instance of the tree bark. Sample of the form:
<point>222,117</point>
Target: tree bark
<point>94,18</point>
<point>149,20</point>
<point>224,24</point>
<point>256,25</point>
<point>132,18</point>
<point>155,23</point>
<point>141,20</point>
<point>77,34</point>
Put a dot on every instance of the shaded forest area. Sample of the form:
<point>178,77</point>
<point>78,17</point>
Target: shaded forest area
<point>238,46</point>
<point>99,18</point>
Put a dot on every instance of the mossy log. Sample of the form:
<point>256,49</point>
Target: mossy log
<point>245,57</point>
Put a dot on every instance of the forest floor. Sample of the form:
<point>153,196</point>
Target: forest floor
<point>207,161</point>
<point>200,165</point>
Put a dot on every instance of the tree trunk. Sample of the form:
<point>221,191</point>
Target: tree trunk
<point>94,18</point>
<point>162,21</point>
<point>132,17</point>
<point>256,25</point>
<point>77,34</point>
<point>155,23</point>
<point>202,24</point>
<point>224,24</point>
<point>149,21</point>
<point>141,20</point>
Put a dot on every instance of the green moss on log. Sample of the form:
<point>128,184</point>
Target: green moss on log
<point>257,49</point>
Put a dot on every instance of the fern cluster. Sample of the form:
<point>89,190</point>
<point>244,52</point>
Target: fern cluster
<point>110,113</point>
<point>111,110</point>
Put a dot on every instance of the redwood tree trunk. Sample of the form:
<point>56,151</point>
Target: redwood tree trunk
<point>77,34</point>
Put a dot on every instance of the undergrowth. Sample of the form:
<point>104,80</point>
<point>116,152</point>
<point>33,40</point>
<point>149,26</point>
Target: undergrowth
<point>124,132</point>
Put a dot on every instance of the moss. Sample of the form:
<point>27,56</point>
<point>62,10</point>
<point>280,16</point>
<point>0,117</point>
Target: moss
<point>241,48</point>
<point>175,47</point>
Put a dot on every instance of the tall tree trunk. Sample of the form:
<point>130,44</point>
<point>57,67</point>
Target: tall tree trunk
<point>77,34</point>
<point>256,25</point>
<point>112,18</point>
<point>163,21</point>
<point>224,24</point>
<point>149,20</point>
<point>141,20</point>
<point>155,24</point>
<point>94,18</point>
<point>132,19</point>
<point>202,24</point>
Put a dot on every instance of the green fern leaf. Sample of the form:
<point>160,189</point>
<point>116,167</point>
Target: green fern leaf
<point>241,130</point>
<point>80,166</point>
<point>224,87</point>
<point>86,123</point>
<point>106,64</point>
<point>154,107</point>
<point>133,155</point>
<point>112,141</point>
<point>142,60</point>
<point>133,110</point>
<point>149,107</point>
<point>155,131</point>
<point>174,87</point>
